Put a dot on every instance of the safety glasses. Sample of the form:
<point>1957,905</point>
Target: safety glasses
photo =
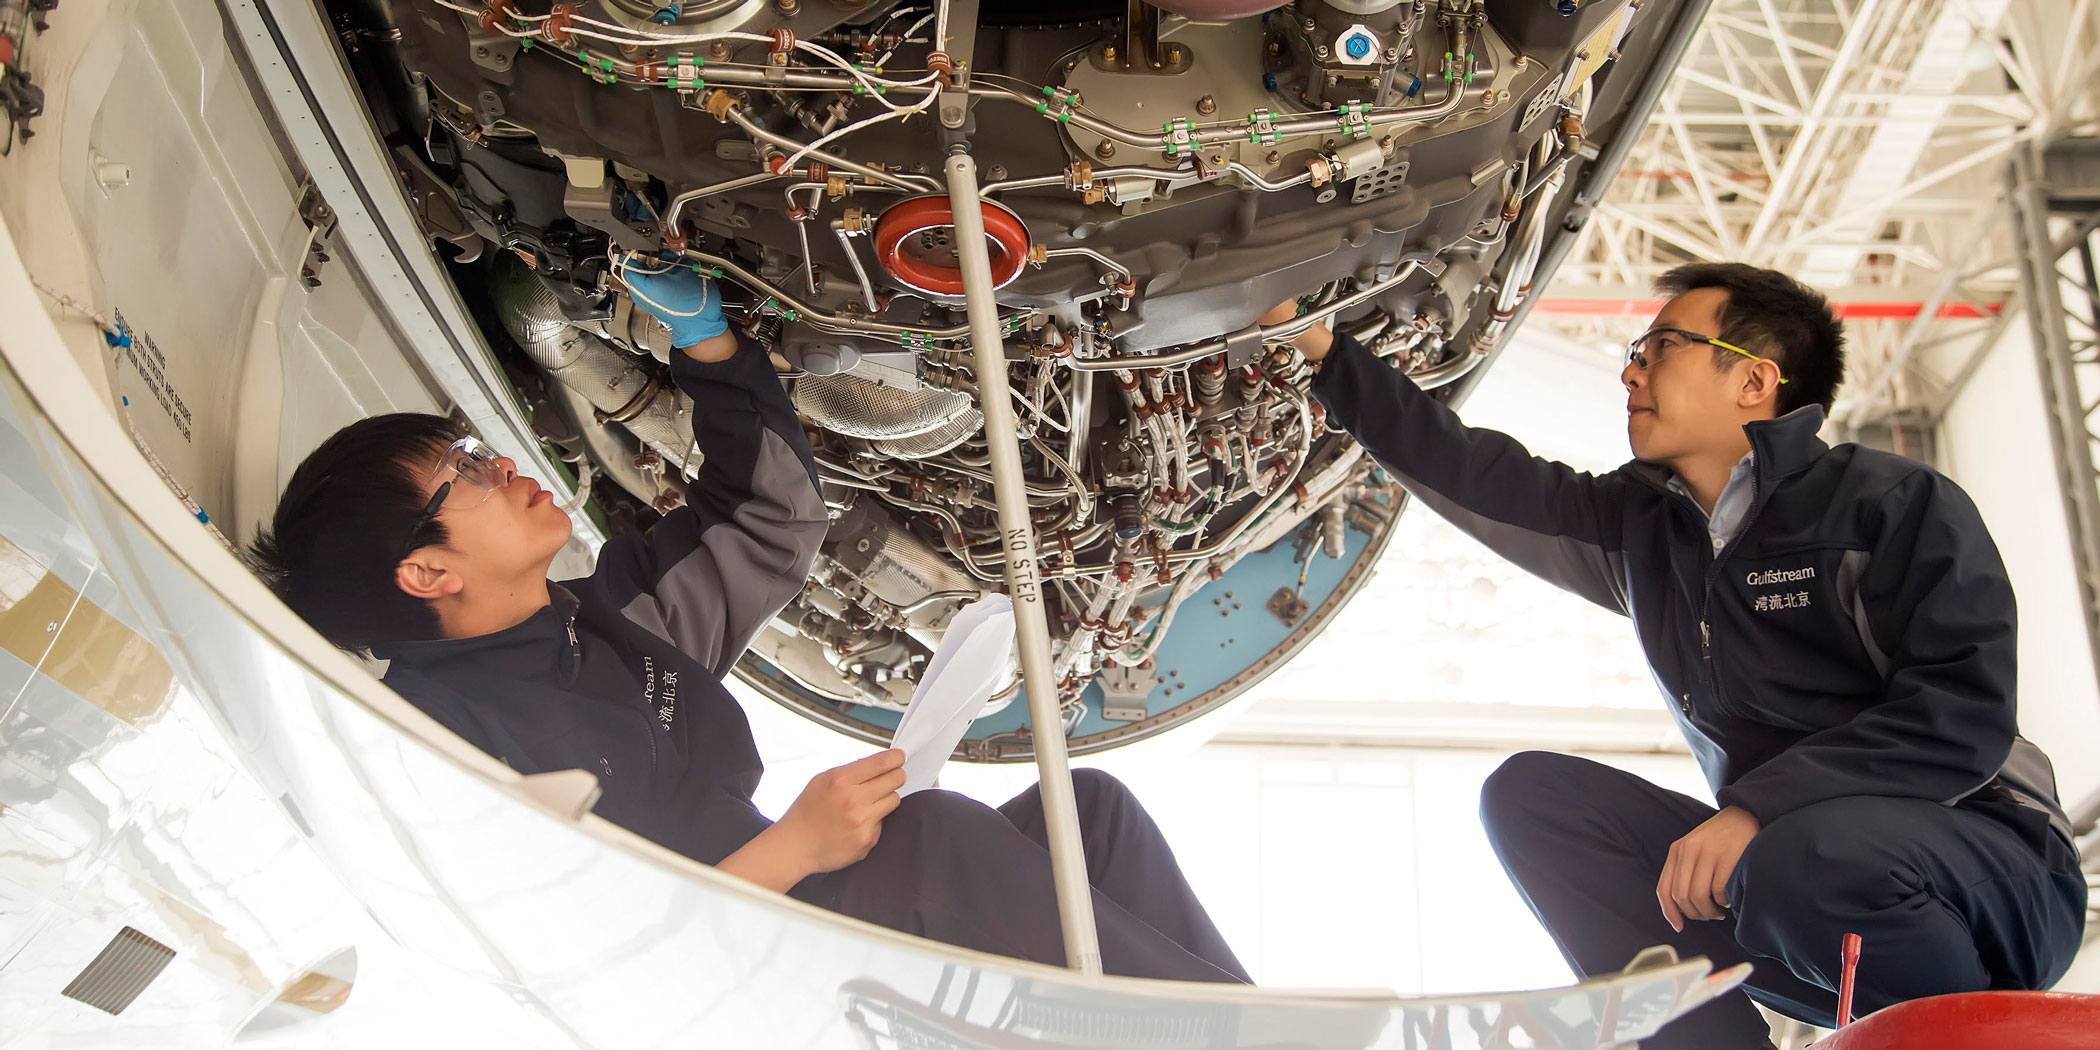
<point>469,467</point>
<point>1656,342</point>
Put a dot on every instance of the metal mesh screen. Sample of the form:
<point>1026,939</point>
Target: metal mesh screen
<point>857,408</point>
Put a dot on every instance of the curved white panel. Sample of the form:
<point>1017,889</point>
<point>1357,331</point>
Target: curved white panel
<point>607,937</point>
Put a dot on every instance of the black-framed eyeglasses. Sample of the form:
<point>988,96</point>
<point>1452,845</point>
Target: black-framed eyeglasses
<point>471,461</point>
<point>1656,342</point>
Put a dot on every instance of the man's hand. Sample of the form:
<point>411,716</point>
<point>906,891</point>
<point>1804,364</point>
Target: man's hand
<point>1314,342</point>
<point>1694,883</point>
<point>688,304</point>
<point>838,817</point>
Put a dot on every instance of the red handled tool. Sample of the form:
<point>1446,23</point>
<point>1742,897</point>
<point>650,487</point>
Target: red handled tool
<point>1851,963</point>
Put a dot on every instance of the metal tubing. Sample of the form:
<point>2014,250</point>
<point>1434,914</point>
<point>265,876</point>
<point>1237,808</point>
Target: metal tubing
<point>1089,253</point>
<point>677,208</point>
<point>867,288</point>
<point>1075,904</point>
<point>1272,333</point>
<point>908,183</point>
<point>1082,417</point>
<point>810,313</point>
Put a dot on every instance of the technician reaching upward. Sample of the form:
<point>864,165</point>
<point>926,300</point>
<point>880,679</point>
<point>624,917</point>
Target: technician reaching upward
<point>403,537</point>
<point>1834,631</point>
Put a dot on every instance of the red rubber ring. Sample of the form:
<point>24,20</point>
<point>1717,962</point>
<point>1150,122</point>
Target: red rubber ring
<point>905,218</point>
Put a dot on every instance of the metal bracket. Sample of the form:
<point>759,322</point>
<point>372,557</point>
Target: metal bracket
<point>494,53</point>
<point>1124,691</point>
<point>957,37</point>
<point>1243,346</point>
<point>593,207</point>
<point>1287,606</point>
<point>1140,50</point>
<point>319,218</point>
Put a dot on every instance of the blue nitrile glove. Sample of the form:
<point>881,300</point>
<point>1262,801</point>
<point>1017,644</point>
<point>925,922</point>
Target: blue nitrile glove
<point>687,303</point>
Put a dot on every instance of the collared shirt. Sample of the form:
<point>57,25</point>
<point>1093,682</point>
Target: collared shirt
<point>1728,513</point>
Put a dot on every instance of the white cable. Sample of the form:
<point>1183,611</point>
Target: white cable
<point>623,262</point>
<point>894,114</point>
<point>905,37</point>
<point>584,473</point>
<point>65,301</point>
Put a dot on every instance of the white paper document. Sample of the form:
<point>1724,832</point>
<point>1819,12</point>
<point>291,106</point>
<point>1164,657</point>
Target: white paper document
<point>973,658</point>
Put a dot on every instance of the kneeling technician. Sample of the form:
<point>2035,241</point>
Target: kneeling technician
<point>1833,630</point>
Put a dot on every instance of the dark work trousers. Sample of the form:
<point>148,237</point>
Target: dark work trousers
<point>956,870</point>
<point>1945,899</point>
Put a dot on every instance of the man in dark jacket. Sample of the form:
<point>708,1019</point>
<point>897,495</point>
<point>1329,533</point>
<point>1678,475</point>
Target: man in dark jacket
<point>1833,630</point>
<point>402,537</point>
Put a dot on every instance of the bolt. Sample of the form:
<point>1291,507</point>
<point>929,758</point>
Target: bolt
<point>864,545</point>
<point>1274,157</point>
<point>1320,50</point>
<point>1311,25</point>
<point>1108,52</point>
<point>786,7</point>
<point>481,52</point>
<point>997,172</point>
<point>1520,64</point>
<point>1206,105</point>
<point>1105,150</point>
<point>1174,54</point>
<point>1392,54</point>
<point>718,49</point>
<point>1409,56</point>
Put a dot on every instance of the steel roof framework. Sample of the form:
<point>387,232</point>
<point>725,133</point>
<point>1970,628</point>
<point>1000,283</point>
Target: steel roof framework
<point>1861,145</point>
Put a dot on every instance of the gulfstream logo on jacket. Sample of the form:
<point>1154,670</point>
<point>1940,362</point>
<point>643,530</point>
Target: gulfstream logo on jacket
<point>666,705</point>
<point>1772,576</point>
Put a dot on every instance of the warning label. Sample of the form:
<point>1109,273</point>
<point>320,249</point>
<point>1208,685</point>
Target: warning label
<point>151,365</point>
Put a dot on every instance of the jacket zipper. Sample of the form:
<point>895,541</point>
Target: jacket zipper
<point>1713,575</point>
<point>576,668</point>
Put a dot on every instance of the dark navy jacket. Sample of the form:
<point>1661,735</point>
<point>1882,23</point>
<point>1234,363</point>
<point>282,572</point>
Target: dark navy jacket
<point>1855,637</point>
<point>622,674</point>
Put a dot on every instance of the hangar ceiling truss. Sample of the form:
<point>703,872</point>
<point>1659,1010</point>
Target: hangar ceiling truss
<point>1862,145</point>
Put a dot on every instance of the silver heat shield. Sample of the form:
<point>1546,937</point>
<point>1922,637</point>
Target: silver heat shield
<point>855,407</point>
<point>933,442</point>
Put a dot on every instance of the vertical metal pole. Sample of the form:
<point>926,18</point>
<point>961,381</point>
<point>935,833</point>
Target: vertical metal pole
<point>2041,297</point>
<point>1075,902</point>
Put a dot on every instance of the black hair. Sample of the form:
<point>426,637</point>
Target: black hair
<point>351,512</point>
<point>1773,315</point>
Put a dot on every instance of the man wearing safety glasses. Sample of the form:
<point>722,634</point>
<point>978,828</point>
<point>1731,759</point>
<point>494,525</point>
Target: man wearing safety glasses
<point>404,538</point>
<point>1833,630</point>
